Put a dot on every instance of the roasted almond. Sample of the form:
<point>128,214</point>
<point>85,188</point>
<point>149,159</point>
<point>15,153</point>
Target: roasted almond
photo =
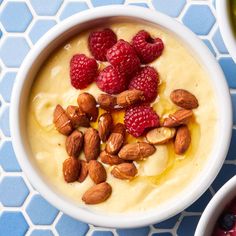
<point>71,169</point>
<point>178,118</point>
<point>124,171</point>
<point>74,143</point>
<point>116,139</point>
<point>160,135</point>
<point>87,104</point>
<point>136,151</point>
<point>91,144</point>
<point>182,140</point>
<point>97,194</point>
<point>77,117</point>
<point>83,171</point>
<point>107,101</point>
<point>105,123</point>
<point>129,97</point>
<point>184,99</point>
<point>97,172</point>
<point>110,159</point>
<point>61,120</point>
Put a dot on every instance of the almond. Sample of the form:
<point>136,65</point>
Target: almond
<point>74,143</point>
<point>77,117</point>
<point>182,140</point>
<point>129,97</point>
<point>87,104</point>
<point>110,159</point>
<point>136,151</point>
<point>184,99</point>
<point>116,139</point>
<point>91,144</point>
<point>105,123</point>
<point>83,171</point>
<point>97,172</point>
<point>97,194</point>
<point>61,120</point>
<point>124,171</point>
<point>160,135</point>
<point>178,118</point>
<point>71,169</point>
<point>107,101</point>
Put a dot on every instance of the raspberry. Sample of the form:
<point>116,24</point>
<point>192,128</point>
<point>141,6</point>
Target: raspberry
<point>111,81</point>
<point>83,70</point>
<point>123,57</point>
<point>146,80</point>
<point>100,41</point>
<point>147,48</point>
<point>139,119</point>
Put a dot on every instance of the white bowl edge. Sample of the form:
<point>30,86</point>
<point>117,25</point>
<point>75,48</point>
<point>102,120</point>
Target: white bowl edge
<point>215,208</point>
<point>223,139</point>
<point>225,25</point>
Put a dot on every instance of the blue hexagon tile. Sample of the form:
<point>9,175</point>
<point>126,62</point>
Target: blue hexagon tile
<point>13,50</point>
<point>45,7</point>
<point>13,223</point>
<point>73,7</point>
<point>70,227</point>
<point>6,85</point>
<point>170,7</point>
<point>7,158</point>
<point>41,232</point>
<point>22,24</point>
<point>39,28</point>
<point>15,16</point>
<point>40,211</point>
<point>18,189</point>
<point>199,18</point>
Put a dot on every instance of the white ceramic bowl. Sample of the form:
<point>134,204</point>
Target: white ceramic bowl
<point>226,28</point>
<point>215,208</point>
<point>62,32</point>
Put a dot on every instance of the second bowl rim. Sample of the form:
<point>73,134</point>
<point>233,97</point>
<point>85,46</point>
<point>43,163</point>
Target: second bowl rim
<point>86,215</point>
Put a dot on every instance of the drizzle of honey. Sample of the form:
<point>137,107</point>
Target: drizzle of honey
<point>163,106</point>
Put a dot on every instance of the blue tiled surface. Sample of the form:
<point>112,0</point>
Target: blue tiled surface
<point>15,16</point>
<point>13,51</point>
<point>184,228</point>
<point>168,224</point>
<point>39,28</point>
<point>42,232</point>
<point>7,158</point>
<point>130,232</point>
<point>199,19</point>
<point>102,233</point>
<point>73,7</point>
<point>40,211</point>
<point>6,85</point>
<point>218,41</point>
<point>70,227</point>
<point>22,24</point>
<point>13,223</point>
<point>18,189</point>
<point>170,7</point>
<point>45,7</point>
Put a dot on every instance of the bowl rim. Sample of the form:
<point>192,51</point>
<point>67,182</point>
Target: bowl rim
<point>213,204</point>
<point>225,26</point>
<point>150,217</point>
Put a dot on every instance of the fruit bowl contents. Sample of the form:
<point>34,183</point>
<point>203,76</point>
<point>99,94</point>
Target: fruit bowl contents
<point>121,117</point>
<point>226,224</point>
